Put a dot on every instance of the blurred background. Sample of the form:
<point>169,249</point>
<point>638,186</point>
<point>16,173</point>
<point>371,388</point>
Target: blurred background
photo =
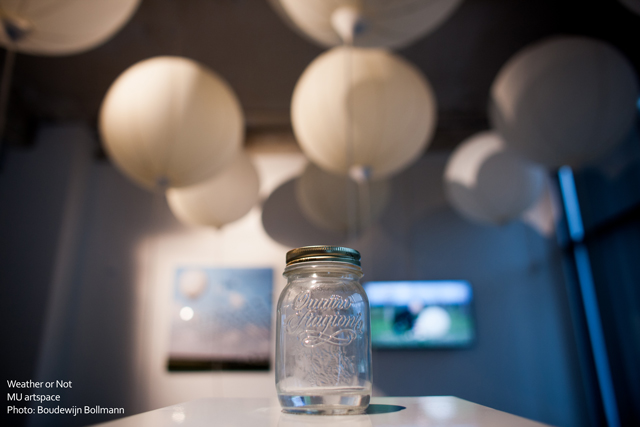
<point>147,204</point>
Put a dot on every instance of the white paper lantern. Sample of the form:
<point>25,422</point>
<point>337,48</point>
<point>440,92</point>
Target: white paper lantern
<point>61,27</point>
<point>486,182</point>
<point>383,23</point>
<point>565,100</point>
<point>220,200</point>
<point>324,199</point>
<point>171,121</point>
<point>368,99</point>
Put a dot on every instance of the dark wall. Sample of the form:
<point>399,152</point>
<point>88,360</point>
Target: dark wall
<point>34,184</point>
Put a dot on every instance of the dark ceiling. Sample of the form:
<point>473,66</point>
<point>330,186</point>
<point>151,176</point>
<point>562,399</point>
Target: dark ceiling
<point>247,43</point>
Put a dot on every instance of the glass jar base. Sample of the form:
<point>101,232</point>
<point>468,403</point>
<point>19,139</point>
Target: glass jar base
<point>324,404</point>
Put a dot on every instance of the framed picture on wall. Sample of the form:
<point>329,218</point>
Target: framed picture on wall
<point>220,319</point>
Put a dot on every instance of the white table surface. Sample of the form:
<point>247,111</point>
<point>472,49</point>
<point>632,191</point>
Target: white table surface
<point>436,411</point>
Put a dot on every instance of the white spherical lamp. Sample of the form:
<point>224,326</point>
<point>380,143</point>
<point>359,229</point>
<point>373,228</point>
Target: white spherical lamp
<point>61,27</point>
<point>324,199</point>
<point>363,107</point>
<point>222,199</point>
<point>488,183</point>
<point>565,100</point>
<point>380,23</point>
<point>170,122</point>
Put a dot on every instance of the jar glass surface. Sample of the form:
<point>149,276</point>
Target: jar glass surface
<point>323,340</point>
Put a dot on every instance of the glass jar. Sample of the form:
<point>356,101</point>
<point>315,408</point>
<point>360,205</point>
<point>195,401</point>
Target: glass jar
<point>323,334</point>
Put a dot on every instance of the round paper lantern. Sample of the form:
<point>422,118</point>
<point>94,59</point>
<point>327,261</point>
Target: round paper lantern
<point>61,27</point>
<point>565,100</point>
<point>169,121</point>
<point>382,23</point>
<point>486,182</point>
<point>324,199</point>
<point>225,198</point>
<point>362,107</point>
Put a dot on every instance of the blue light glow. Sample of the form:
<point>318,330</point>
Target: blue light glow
<point>594,323</point>
<point>589,298</point>
<point>571,206</point>
<point>427,291</point>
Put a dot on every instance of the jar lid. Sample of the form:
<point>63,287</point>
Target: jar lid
<point>323,253</point>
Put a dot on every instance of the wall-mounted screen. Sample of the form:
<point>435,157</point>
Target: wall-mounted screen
<point>420,314</point>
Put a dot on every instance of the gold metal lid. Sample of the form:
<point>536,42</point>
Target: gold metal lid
<point>323,253</point>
